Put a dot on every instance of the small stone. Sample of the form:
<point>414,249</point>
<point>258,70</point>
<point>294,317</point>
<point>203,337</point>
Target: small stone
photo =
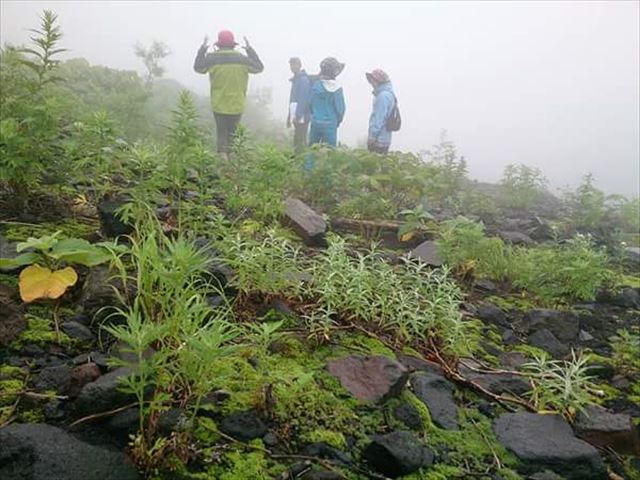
<point>516,238</point>
<point>55,378</point>
<point>547,341</point>
<point>78,331</point>
<point>509,337</point>
<point>488,312</point>
<point>397,453</point>
<point>585,336</point>
<point>428,253</point>
<point>409,415</point>
<point>243,426</point>
<point>437,394</point>
<point>564,324</point>
<point>80,376</point>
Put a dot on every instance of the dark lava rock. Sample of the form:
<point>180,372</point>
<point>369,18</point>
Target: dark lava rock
<point>409,415</point>
<point>370,378</point>
<point>563,324</point>
<point>243,426</point>
<point>81,375</point>
<point>547,341</point>
<point>124,423</point>
<point>43,452</point>
<point>513,360</point>
<point>78,331</point>
<point>12,323</point>
<point>54,410</point>
<point>98,358</point>
<point>413,363</point>
<point>428,253</point>
<point>323,450</point>
<point>172,420</point>
<point>604,429</point>
<point>502,383</point>
<point>437,394</point>
<point>397,453</point>
<point>485,285</point>
<point>98,292</point>
<point>516,238</point>
<point>490,313</point>
<point>103,394</point>
<point>626,297</point>
<point>53,378</point>
<point>110,223</point>
<point>547,442</point>
<point>509,337</point>
<point>305,222</point>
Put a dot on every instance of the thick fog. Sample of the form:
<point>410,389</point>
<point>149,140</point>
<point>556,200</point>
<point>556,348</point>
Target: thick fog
<point>549,84</point>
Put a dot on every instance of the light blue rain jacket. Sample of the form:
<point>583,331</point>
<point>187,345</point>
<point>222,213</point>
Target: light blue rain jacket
<point>383,100</point>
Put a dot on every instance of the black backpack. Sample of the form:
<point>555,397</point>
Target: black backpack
<point>394,120</point>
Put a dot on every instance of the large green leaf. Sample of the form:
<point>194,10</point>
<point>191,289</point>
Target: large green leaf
<point>43,243</point>
<point>77,250</point>
<point>24,259</point>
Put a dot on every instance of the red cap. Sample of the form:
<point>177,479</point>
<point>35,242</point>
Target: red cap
<point>226,39</point>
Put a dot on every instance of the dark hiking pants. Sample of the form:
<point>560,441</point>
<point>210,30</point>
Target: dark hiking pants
<point>300,136</point>
<point>383,149</point>
<point>226,126</point>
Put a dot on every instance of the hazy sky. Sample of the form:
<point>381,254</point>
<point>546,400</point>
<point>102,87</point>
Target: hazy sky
<point>550,84</point>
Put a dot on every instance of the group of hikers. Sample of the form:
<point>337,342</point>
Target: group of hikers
<point>316,102</point>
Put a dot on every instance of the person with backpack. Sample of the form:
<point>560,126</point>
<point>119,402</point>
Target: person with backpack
<point>228,71</point>
<point>299,114</point>
<point>385,116</point>
<point>327,105</point>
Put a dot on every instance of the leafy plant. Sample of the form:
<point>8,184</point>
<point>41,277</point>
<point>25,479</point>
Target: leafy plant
<point>586,204</point>
<point>570,271</point>
<point>563,386</point>
<point>522,186</point>
<point>414,220</point>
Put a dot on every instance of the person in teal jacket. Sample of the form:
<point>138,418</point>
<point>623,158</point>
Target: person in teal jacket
<point>326,104</point>
<point>379,138</point>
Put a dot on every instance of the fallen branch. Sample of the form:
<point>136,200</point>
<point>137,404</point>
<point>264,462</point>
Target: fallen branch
<point>96,416</point>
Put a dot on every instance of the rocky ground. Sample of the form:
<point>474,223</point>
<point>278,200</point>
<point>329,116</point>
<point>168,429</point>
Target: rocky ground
<point>395,412</point>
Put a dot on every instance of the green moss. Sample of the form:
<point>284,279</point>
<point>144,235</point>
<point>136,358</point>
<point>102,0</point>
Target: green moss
<point>9,371</point>
<point>513,302</point>
<point>335,439</point>
<point>530,351</point>
<point>628,281</point>
<point>363,345</point>
<point>9,390</point>
<point>40,331</point>
<point>31,416</point>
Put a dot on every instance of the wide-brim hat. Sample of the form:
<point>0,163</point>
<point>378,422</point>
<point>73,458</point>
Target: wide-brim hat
<point>377,76</point>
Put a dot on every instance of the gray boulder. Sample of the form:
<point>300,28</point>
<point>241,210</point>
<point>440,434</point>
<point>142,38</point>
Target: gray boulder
<point>43,452</point>
<point>547,442</point>
<point>605,429</point>
<point>563,324</point>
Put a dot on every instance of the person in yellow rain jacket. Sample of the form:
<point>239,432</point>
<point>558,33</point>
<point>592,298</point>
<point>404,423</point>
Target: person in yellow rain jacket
<point>228,71</point>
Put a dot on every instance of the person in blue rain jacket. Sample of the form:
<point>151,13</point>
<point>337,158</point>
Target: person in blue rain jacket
<point>327,104</point>
<point>379,138</point>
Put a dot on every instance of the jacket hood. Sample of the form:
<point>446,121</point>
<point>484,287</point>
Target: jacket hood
<point>383,87</point>
<point>329,85</point>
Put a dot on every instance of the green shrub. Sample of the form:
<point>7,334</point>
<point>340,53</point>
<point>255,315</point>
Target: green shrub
<point>570,271</point>
<point>522,186</point>
<point>626,351</point>
<point>586,204</point>
<point>464,245</point>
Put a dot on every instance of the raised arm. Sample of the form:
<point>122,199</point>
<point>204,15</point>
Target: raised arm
<point>203,61</point>
<point>254,63</point>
